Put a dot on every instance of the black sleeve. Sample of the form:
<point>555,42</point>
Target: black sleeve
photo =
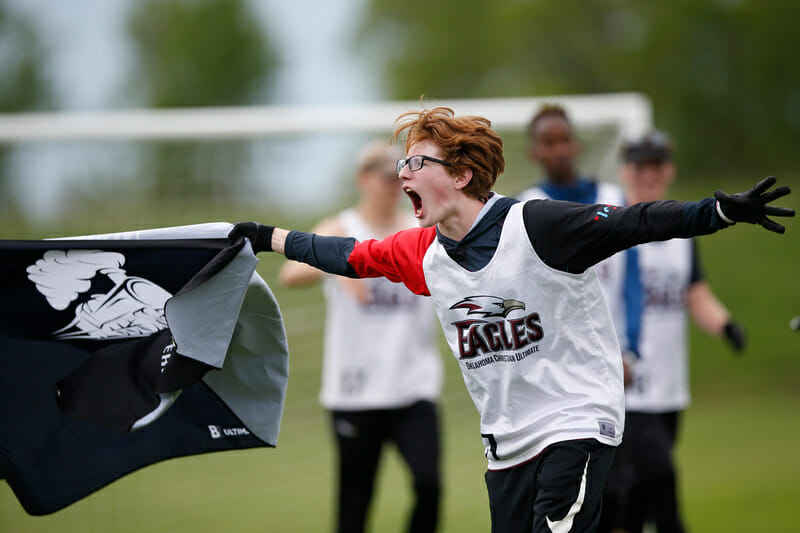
<point>572,237</point>
<point>697,270</point>
<point>329,254</point>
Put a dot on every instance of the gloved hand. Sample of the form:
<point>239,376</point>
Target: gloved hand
<point>734,334</point>
<point>260,236</point>
<point>751,206</point>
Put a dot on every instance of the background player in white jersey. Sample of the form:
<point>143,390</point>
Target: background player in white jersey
<point>382,371</point>
<point>555,148</point>
<point>520,305</point>
<point>674,287</point>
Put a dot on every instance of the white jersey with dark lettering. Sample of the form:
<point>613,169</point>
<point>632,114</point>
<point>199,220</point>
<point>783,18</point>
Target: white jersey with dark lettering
<point>612,270</point>
<point>536,347</point>
<point>383,353</point>
<point>661,375</point>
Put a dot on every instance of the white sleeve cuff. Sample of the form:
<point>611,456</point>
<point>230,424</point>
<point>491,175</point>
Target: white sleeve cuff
<point>722,215</point>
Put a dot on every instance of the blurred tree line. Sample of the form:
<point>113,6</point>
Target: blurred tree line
<point>723,75</point>
<point>198,53</point>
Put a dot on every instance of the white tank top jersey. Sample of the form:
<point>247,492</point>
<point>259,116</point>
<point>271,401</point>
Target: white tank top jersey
<point>536,347</point>
<point>611,271</point>
<point>379,355</point>
<point>661,375</point>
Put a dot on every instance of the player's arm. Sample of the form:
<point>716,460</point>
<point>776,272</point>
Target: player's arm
<point>572,237</point>
<point>397,258</point>
<point>707,311</point>
<point>299,246</point>
<point>297,274</point>
<point>712,316</point>
<point>276,237</point>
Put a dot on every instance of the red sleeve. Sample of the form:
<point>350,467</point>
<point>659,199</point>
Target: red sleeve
<point>398,258</point>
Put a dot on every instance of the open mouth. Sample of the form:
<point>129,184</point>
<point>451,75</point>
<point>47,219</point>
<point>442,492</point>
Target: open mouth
<point>416,201</point>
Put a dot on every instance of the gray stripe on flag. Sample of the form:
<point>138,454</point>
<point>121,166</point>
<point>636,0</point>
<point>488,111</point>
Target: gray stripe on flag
<point>254,377</point>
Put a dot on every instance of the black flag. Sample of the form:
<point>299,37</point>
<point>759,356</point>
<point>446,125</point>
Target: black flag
<point>123,350</point>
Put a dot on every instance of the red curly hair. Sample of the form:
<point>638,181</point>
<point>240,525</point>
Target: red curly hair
<point>466,142</point>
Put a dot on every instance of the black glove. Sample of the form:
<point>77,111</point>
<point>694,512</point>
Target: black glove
<point>751,206</point>
<point>260,236</point>
<point>734,334</point>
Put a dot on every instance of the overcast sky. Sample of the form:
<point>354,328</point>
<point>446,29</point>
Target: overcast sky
<point>90,59</point>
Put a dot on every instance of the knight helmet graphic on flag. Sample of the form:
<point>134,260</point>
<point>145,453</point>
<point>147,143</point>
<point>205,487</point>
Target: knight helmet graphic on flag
<point>134,307</point>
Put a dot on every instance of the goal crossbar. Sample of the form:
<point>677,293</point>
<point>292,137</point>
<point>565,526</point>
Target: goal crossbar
<point>631,111</point>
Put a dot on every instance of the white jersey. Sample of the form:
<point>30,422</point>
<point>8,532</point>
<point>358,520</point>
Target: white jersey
<point>612,270</point>
<point>382,354</point>
<point>661,375</point>
<point>538,354</point>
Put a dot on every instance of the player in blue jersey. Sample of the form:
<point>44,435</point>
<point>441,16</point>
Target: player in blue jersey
<point>520,305</point>
<point>555,148</point>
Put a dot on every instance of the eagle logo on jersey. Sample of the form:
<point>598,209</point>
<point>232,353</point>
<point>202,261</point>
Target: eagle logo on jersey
<point>488,306</point>
<point>477,335</point>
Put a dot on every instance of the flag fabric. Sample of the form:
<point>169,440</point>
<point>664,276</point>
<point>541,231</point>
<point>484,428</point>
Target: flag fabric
<point>121,350</point>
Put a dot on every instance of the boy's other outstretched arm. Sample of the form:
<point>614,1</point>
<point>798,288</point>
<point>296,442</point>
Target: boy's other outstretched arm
<point>572,237</point>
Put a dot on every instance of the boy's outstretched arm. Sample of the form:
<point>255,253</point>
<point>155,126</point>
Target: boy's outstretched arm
<point>329,254</point>
<point>573,237</point>
<point>398,258</point>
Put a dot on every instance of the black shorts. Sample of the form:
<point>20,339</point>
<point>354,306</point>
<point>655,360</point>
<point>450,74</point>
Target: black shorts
<point>642,482</point>
<point>559,490</point>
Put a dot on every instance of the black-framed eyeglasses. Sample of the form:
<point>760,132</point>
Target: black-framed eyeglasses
<point>415,162</point>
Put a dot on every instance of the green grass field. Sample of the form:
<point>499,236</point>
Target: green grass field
<point>739,469</point>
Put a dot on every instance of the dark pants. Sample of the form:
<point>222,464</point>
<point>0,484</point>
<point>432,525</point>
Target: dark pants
<point>642,484</point>
<point>360,436</point>
<point>559,490</point>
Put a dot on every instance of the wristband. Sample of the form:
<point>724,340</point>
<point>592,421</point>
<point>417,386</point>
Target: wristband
<point>734,333</point>
<point>263,242</point>
<point>722,215</point>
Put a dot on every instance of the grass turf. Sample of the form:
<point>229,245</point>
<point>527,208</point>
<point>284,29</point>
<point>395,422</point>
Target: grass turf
<point>736,454</point>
